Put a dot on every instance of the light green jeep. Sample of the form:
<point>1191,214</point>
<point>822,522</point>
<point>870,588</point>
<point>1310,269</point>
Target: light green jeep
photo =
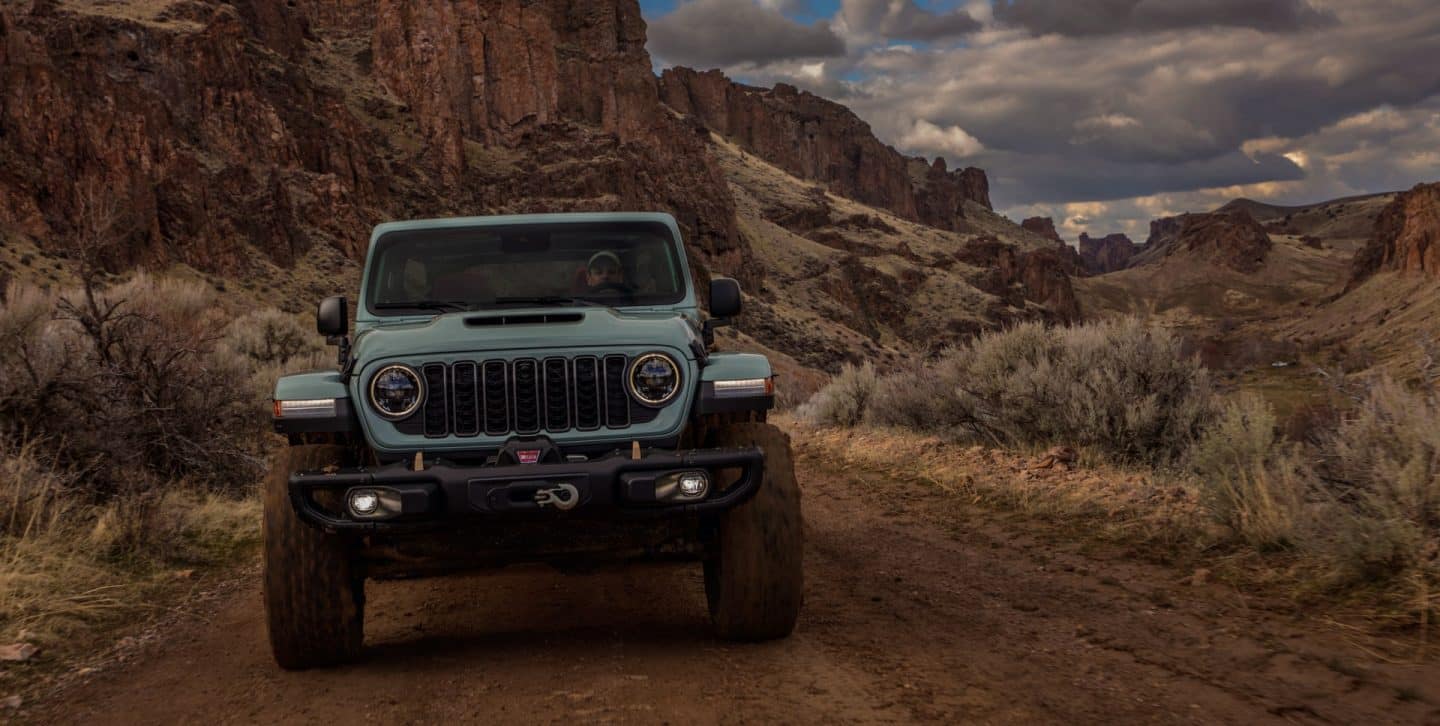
<point>527,389</point>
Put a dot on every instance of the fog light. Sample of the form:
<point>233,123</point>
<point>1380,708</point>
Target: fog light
<point>364,502</point>
<point>693,485</point>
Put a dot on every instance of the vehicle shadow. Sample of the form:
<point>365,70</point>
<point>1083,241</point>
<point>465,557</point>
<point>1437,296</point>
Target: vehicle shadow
<point>534,613</point>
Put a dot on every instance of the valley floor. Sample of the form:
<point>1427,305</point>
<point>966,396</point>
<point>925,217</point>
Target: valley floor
<point>919,607</point>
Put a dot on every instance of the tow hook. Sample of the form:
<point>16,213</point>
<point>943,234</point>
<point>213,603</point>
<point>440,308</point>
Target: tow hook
<point>563,497</point>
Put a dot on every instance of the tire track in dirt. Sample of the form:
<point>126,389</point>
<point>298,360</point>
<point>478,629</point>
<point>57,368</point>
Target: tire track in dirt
<point>918,609</point>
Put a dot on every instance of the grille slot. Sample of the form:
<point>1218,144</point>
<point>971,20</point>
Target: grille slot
<point>526,374</point>
<point>587,393</point>
<point>617,401</point>
<point>465,399</point>
<point>557,394</point>
<point>437,403</point>
<point>496,391</point>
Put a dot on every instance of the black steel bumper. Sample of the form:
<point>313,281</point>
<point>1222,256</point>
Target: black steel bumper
<point>444,494</point>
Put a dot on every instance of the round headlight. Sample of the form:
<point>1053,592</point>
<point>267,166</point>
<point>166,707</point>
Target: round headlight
<point>396,391</point>
<point>654,379</point>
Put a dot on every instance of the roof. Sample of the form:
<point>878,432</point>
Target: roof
<point>522,219</point>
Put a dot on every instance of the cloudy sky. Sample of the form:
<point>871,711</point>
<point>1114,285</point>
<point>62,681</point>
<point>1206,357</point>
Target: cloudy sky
<point>1106,113</point>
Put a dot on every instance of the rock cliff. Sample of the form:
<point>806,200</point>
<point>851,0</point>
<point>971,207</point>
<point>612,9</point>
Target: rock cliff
<point>1106,254</point>
<point>227,128</point>
<point>1406,236</point>
<point>816,139</point>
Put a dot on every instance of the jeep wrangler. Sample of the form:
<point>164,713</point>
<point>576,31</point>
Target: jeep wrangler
<point>526,389</point>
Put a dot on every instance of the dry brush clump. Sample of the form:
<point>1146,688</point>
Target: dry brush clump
<point>1361,497</point>
<point>846,400</point>
<point>132,433</point>
<point>1251,479</point>
<point>1380,471</point>
<point>1119,388</point>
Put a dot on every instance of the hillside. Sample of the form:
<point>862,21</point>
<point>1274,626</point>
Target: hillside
<point>255,145</point>
<point>1343,281</point>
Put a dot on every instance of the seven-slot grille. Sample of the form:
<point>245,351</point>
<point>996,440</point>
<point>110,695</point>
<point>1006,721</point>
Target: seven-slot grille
<point>527,396</point>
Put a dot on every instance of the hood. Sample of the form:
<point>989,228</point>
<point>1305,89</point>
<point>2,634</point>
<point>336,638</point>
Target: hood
<point>537,330</point>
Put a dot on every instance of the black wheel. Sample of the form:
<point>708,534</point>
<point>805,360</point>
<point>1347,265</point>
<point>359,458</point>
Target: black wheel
<point>314,590</point>
<point>754,578</point>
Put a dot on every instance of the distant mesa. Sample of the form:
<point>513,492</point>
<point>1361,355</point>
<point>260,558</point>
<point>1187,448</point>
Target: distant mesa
<point>1406,238</point>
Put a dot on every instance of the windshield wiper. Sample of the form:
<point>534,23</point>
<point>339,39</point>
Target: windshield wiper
<point>446,305</point>
<point>548,300</point>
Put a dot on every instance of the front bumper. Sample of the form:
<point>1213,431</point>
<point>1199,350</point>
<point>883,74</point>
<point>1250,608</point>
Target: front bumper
<point>444,494</point>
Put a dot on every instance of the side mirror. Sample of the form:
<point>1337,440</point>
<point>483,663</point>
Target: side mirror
<point>332,319</point>
<point>724,298</point>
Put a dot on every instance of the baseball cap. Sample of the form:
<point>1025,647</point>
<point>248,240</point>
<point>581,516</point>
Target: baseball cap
<point>602,255</point>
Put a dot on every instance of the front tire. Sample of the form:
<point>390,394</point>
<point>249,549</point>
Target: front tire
<point>754,579</point>
<point>314,590</point>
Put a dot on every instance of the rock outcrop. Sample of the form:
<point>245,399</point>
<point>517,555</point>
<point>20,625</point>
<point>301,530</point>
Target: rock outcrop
<point>1234,240</point>
<point>1015,275</point>
<point>1043,226</point>
<point>1406,237</point>
<point>1107,254</point>
<point>817,139</point>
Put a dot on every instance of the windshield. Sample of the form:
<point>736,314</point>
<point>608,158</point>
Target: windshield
<point>479,268</point>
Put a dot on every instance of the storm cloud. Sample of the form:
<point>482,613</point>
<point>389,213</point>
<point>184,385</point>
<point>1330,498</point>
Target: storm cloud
<point>902,20</point>
<point>720,33</point>
<point>1109,17</point>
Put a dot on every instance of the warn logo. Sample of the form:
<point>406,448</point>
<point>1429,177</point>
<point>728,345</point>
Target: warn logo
<point>527,456</point>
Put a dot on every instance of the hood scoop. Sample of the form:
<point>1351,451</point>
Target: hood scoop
<point>490,321</point>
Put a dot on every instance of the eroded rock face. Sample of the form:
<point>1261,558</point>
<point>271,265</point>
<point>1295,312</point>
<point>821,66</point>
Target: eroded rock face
<point>1406,237</point>
<point>1106,254</point>
<point>227,128</point>
<point>193,122</point>
<point>491,72</point>
<point>813,138</point>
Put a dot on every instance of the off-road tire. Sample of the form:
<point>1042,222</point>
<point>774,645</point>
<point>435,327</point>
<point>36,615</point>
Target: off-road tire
<point>754,576</point>
<point>314,590</point>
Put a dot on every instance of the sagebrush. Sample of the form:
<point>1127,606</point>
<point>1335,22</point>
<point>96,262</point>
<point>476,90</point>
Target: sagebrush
<point>1119,388</point>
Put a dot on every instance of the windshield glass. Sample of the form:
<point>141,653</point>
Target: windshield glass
<point>479,268</point>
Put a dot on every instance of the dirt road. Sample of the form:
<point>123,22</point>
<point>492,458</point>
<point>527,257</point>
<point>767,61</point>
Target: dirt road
<point>918,609</point>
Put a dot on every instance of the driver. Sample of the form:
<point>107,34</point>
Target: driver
<point>604,269</point>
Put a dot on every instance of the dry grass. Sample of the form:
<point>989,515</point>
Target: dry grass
<point>1111,503</point>
<point>132,432</point>
<point>69,566</point>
